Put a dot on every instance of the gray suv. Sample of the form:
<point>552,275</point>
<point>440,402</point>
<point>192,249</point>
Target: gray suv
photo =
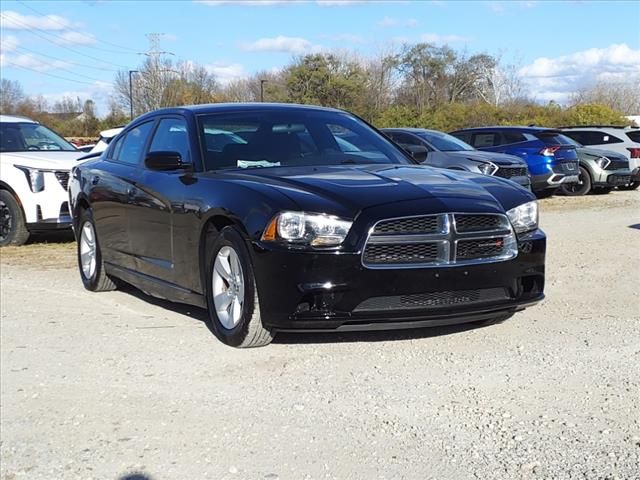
<point>439,149</point>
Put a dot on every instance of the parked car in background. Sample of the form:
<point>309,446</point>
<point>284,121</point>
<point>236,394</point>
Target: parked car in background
<point>105,138</point>
<point>600,171</point>
<point>551,159</point>
<point>34,173</point>
<point>623,140</point>
<point>446,151</point>
<point>282,229</point>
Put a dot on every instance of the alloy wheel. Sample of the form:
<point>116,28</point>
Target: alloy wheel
<point>228,287</point>
<point>88,250</point>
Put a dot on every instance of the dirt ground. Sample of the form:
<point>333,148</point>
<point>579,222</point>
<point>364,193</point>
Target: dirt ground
<point>119,385</point>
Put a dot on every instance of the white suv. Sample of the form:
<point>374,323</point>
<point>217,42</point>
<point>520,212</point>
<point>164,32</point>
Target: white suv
<point>34,172</point>
<point>624,140</point>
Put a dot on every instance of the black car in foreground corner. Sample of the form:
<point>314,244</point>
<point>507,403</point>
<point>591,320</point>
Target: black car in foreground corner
<point>265,215</point>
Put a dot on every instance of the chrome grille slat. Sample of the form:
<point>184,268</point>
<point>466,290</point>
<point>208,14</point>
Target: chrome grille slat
<point>439,240</point>
<point>63,178</point>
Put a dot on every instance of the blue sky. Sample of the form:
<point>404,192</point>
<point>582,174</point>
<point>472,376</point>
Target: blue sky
<point>558,46</point>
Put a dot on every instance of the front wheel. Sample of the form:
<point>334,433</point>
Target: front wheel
<point>581,187</point>
<point>92,273</point>
<point>232,296</point>
<point>13,229</point>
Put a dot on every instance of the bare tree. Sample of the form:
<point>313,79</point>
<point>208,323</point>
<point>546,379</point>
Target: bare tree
<point>621,95</point>
<point>11,95</point>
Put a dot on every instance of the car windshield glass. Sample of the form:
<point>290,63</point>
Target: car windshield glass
<point>570,141</point>
<point>273,138</point>
<point>445,142</point>
<point>23,137</point>
<point>554,138</point>
<point>634,135</point>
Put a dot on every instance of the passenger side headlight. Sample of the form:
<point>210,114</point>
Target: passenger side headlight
<point>524,218</point>
<point>603,162</point>
<point>35,178</point>
<point>316,230</point>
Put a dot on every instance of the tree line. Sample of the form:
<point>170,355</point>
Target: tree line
<point>418,85</point>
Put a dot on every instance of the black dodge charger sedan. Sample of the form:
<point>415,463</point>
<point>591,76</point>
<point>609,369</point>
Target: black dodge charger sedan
<point>297,218</point>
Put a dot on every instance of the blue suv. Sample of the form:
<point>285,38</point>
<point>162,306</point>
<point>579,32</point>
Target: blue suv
<point>550,156</point>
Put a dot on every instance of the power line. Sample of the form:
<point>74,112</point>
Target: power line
<point>31,30</point>
<point>85,35</point>
<point>48,74</point>
<point>20,47</point>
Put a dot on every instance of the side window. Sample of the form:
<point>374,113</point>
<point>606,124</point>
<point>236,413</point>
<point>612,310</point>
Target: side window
<point>171,136</point>
<point>606,138</point>
<point>488,139</point>
<point>512,137</point>
<point>130,148</point>
<point>406,139</point>
<point>579,137</point>
<point>114,151</point>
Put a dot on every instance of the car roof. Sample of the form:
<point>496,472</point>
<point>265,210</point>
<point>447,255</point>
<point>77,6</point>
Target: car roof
<point>510,128</point>
<point>15,119</point>
<point>411,130</point>
<point>236,107</point>
<point>598,127</point>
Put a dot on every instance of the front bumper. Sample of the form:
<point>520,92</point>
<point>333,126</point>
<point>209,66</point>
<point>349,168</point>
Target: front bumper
<point>49,208</point>
<point>334,291</point>
<point>611,178</point>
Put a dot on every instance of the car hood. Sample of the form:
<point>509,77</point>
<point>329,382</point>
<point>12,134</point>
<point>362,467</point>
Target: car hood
<point>347,190</point>
<point>501,159</point>
<point>45,160</point>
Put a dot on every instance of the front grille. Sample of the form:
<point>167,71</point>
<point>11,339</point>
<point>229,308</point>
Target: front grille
<point>63,178</point>
<point>432,300</point>
<point>568,168</point>
<point>489,247</point>
<point>408,253</point>
<point>478,223</point>
<point>439,240</point>
<point>509,172</point>
<point>617,164</point>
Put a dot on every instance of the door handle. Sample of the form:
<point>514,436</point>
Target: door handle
<point>95,180</point>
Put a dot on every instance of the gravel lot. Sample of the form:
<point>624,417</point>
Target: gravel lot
<point>108,385</point>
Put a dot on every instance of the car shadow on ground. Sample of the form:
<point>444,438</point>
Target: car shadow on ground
<point>201,314</point>
<point>57,236</point>
<point>635,225</point>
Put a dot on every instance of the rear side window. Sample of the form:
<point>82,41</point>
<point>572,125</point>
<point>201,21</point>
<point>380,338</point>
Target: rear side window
<point>634,135</point>
<point>171,136</point>
<point>592,137</point>
<point>489,139</point>
<point>512,137</point>
<point>129,149</point>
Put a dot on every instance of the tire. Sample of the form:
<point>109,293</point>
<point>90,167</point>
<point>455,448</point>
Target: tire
<point>578,189</point>
<point>231,285</point>
<point>602,190</point>
<point>13,228</point>
<point>90,266</point>
<point>493,321</point>
<point>631,186</point>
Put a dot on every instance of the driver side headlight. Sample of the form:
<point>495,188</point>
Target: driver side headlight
<point>301,228</point>
<point>35,178</point>
<point>603,162</point>
<point>524,218</point>
<point>488,168</point>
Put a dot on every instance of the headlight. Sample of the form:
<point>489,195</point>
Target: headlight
<point>35,178</point>
<point>488,168</point>
<point>603,162</point>
<point>317,230</point>
<point>524,217</point>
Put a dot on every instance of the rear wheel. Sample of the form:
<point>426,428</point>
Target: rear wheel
<point>232,296</point>
<point>631,186</point>
<point>13,229</point>
<point>90,262</point>
<point>581,187</point>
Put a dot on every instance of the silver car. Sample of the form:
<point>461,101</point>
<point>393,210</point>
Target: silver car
<point>446,151</point>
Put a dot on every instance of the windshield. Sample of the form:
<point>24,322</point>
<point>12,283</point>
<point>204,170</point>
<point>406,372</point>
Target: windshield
<point>23,137</point>
<point>569,140</point>
<point>445,142</point>
<point>273,138</point>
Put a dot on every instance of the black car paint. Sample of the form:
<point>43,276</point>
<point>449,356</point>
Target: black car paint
<point>152,226</point>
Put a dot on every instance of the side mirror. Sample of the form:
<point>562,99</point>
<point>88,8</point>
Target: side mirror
<point>164,161</point>
<point>418,152</point>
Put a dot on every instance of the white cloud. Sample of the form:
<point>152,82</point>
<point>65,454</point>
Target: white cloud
<point>225,72</point>
<point>442,39</point>
<point>30,61</point>
<point>390,22</point>
<point>346,38</point>
<point>76,38</point>
<point>338,3</point>
<point>296,45</point>
<point>253,3</point>
<point>497,7</point>
<point>556,78</point>
<point>8,44</point>
<point>11,20</point>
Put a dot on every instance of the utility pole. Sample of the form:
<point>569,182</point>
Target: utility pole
<point>131,72</point>
<point>262,82</point>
